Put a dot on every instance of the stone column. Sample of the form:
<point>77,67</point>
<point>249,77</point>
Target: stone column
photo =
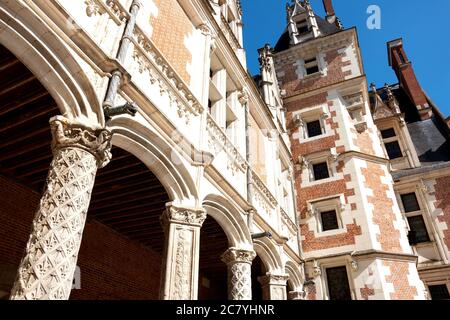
<point>181,253</point>
<point>239,263</point>
<point>47,269</point>
<point>274,286</point>
<point>296,295</point>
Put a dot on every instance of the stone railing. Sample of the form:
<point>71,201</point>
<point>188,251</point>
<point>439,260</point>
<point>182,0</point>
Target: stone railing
<point>229,34</point>
<point>218,141</point>
<point>262,195</point>
<point>287,221</point>
<point>112,7</point>
<point>151,60</point>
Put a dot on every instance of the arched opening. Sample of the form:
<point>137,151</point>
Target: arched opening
<point>25,155</point>
<point>120,255</point>
<point>213,272</point>
<point>123,240</point>
<point>289,288</point>
<point>258,270</point>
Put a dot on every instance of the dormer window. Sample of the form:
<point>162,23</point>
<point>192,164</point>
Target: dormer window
<point>302,27</point>
<point>311,66</point>
<point>391,144</point>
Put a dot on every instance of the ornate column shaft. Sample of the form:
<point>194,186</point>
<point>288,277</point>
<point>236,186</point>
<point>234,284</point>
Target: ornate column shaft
<point>239,263</point>
<point>274,286</point>
<point>47,269</point>
<point>181,253</point>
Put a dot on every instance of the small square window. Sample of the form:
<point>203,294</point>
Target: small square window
<point>314,128</point>
<point>439,292</point>
<point>388,133</point>
<point>410,203</point>
<point>329,220</point>
<point>393,150</point>
<point>321,171</point>
<point>418,233</point>
<point>312,70</point>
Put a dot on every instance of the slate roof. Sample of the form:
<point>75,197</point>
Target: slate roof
<point>431,138</point>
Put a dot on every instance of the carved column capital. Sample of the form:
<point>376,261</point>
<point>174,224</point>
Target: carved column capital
<point>296,295</point>
<point>233,255</point>
<point>67,134</point>
<point>243,97</point>
<point>274,279</point>
<point>205,29</point>
<point>186,216</point>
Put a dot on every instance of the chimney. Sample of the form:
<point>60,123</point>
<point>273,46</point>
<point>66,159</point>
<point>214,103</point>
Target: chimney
<point>328,5</point>
<point>407,78</point>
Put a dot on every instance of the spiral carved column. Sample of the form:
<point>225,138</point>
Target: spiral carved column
<point>47,269</point>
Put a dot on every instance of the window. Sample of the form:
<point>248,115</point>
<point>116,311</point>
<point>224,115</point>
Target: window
<point>410,203</point>
<point>391,144</point>
<point>338,286</point>
<point>302,27</point>
<point>418,231</point>
<point>321,171</point>
<point>439,292</point>
<point>388,133</point>
<point>393,150</point>
<point>329,220</point>
<point>311,66</point>
<point>314,128</point>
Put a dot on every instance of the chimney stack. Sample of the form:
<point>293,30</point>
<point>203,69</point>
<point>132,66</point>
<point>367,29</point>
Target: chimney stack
<point>407,78</point>
<point>328,5</point>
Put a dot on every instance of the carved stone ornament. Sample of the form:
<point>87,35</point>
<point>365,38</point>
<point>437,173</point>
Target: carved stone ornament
<point>239,273</point>
<point>205,29</point>
<point>233,255</point>
<point>354,265</point>
<point>68,135</point>
<point>187,216</point>
<point>243,97</point>
<point>317,270</point>
<point>274,279</point>
<point>47,269</point>
<point>296,295</point>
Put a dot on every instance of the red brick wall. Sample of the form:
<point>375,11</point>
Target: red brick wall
<point>170,27</point>
<point>112,267</point>
<point>442,194</point>
<point>311,242</point>
<point>293,85</point>
<point>383,214</point>
<point>399,278</point>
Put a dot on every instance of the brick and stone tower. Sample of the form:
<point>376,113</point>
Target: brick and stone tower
<point>353,236</point>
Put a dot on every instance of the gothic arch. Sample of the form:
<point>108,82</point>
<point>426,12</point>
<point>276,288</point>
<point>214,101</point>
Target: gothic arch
<point>269,254</point>
<point>230,219</point>
<point>36,45</point>
<point>295,276</point>
<point>157,155</point>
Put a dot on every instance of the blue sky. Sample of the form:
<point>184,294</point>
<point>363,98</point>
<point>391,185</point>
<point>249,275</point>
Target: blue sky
<point>423,25</point>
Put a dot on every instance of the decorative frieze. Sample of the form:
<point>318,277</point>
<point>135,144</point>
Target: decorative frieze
<point>150,60</point>
<point>112,7</point>
<point>218,141</point>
